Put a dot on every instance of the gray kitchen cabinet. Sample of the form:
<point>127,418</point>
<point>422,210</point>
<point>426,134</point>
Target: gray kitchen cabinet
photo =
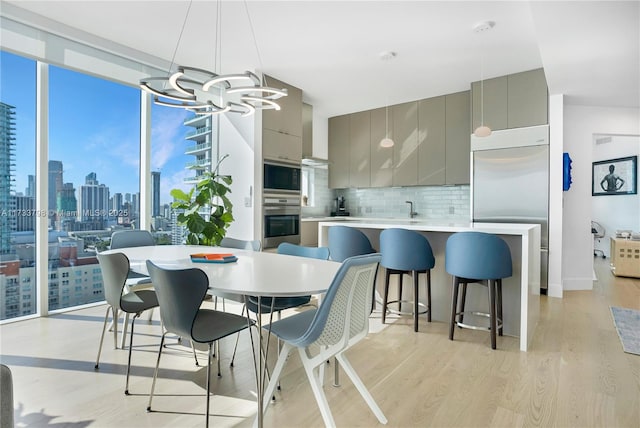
<point>307,130</point>
<point>309,233</point>
<point>527,99</point>
<point>512,101</point>
<point>458,145</point>
<point>381,157</point>
<point>339,152</point>
<point>431,141</point>
<point>287,120</point>
<point>279,146</point>
<point>405,149</point>
<point>360,149</point>
<point>493,104</point>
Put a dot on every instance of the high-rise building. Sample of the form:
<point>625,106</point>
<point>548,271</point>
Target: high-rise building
<point>7,165</point>
<point>93,202</point>
<point>31,186</point>
<point>204,148</point>
<point>155,193</point>
<point>55,185</point>
<point>25,207</point>
<point>67,206</point>
<point>117,202</point>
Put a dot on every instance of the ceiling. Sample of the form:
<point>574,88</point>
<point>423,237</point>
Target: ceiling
<point>590,50</point>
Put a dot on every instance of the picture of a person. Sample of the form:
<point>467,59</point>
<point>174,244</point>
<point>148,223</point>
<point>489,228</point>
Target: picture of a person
<point>613,181</point>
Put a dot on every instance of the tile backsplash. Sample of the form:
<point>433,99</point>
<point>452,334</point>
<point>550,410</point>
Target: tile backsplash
<point>430,202</point>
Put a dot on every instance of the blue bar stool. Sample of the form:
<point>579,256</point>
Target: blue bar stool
<point>406,252</point>
<point>476,257</point>
<point>345,242</point>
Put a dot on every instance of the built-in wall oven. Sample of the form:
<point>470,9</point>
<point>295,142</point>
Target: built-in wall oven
<point>281,219</point>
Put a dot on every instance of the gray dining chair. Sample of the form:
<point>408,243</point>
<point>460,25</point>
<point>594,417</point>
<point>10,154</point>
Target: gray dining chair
<point>115,267</point>
<point>180,293</point>
<point>135,281</point>
<point>341,321</point>
<point>6,397</point>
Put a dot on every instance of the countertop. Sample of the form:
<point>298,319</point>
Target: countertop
<point>441,225</point>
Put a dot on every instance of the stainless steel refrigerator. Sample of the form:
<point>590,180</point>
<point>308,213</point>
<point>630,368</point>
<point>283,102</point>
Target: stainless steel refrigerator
<point>510,182</point>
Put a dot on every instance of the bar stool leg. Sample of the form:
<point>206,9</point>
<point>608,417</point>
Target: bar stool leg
<point>499,304</point>
<point>385,300</point>
<point>401,273</point>
<point>415,300</point>
<point>463,302</point>
<point>454,306</point>
<point>492,312</point>
<point>429,295</point>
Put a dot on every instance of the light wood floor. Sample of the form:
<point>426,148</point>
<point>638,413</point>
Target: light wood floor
<point>576,374</point>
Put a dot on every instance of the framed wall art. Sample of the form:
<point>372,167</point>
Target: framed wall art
<point>615,177</point>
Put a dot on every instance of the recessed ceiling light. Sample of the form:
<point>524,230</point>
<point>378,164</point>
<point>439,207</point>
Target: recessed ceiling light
<point>481,27</point>
<point>388,55</point>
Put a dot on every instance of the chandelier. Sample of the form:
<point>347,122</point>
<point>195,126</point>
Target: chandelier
<point>206,92</point>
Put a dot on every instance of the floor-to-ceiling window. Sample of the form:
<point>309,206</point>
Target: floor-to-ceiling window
<point>94,179</point>
<point>18,290</point>
<point>171,149</point>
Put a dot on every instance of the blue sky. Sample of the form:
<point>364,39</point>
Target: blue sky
<point>93,127</point>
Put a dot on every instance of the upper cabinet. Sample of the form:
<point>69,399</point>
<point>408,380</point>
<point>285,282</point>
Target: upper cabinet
<point>405,149</point>
<point>287,120</point>
<point>282,129</point>
<point>381,157</point>
<point>513,101</point>
<point>339,152</point>
<point>431,136</point>
<point>283,147</point>
<point>307,130</point>
<point>528,99</point>
<point>431,141</point>
<point>458,146</point>
<point>431,144</point>
<point>360,147</point>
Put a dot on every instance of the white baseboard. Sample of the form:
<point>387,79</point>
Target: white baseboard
<point>554,290</point>
<point>574,284</point>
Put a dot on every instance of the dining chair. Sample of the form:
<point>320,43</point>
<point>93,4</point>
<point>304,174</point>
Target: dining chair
<point>6,397</point>
<point>345,242</point>
<point>483,258</point>
<point>406,252</point>
<point>115,267</point>
<point>135,281</point>
<point>180,293</point>
<point>241,244</point>
<point>278,304</point>
<point>341,321</point>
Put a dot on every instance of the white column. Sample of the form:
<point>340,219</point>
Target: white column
<point>42,184</point>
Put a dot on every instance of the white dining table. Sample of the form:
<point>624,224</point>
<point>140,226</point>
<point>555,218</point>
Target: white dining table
<point>261,274</point>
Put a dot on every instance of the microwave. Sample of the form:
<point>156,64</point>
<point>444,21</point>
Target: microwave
<point>281,177</point>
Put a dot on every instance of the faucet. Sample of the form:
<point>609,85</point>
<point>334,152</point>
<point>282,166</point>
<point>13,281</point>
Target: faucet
<point>412,213</point>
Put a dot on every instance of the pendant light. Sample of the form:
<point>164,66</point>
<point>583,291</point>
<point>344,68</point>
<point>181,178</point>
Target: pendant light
<point>208,92</point>
<point>387,142</point>
<point>482,130</point>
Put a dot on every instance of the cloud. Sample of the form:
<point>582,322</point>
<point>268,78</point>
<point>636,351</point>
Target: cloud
<point>167,136</point>
<point>174,181</point>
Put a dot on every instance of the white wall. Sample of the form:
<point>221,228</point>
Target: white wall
<point>556,149</point>
<point>580,123</point>
<point>237,140</point>
<point>618,212</point>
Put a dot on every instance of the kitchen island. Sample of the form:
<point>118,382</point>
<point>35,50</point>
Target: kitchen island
<point>521,292</point>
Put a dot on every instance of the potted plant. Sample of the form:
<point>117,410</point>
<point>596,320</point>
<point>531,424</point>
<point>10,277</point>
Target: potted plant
<point>206,211</point>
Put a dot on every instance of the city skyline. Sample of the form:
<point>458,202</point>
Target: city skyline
<point>95,121</point>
